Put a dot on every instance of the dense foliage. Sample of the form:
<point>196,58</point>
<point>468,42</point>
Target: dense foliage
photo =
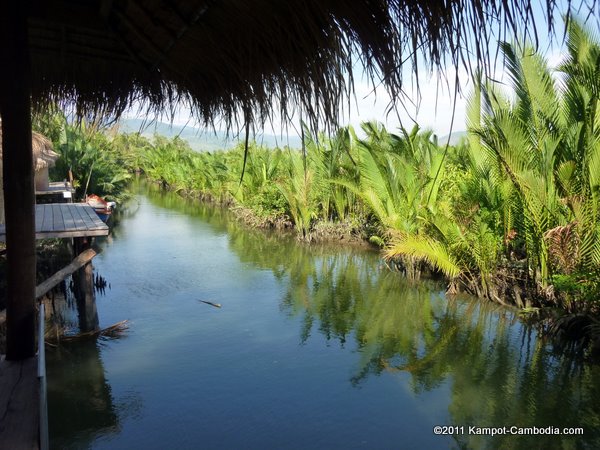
<point>87,156</point>
<point>511,214</point>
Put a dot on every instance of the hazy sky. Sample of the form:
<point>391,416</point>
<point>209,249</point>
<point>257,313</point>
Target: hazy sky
<point>431,106</point>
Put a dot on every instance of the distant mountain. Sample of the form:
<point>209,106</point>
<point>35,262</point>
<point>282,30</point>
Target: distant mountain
<point>455,138</point>
<point>201,140</point>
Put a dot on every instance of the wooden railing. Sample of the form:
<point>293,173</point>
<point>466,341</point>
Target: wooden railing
<point>41,373</point>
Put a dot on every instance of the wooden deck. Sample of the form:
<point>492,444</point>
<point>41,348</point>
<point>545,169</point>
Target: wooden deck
<point>19,404</point>
<point>65,220</point>
<point>22,383</point>
<point>57,187</point>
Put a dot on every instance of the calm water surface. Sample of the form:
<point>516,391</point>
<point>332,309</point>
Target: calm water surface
<point>314,348</point>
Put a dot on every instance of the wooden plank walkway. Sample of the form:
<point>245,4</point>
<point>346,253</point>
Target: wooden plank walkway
<point>64,220</point>
<point>56,187</point>
<point>19,404</point>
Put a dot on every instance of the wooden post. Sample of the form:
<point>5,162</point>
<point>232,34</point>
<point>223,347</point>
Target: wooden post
<point>84,290</point>
<point>19,194</point>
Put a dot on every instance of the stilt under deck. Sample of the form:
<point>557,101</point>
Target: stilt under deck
<point>22,391</point>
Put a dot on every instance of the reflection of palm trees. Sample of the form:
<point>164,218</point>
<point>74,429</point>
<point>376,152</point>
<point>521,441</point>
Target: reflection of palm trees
<point>507,384</point>
<point>499,373</point>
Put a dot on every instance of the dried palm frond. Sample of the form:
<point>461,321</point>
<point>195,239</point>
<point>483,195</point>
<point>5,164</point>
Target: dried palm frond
<point>244,61</point>
<point>114,331</point>
<point>563,247</point>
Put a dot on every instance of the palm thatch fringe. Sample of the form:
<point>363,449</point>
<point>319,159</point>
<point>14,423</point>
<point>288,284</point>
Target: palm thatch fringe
<point>241,61</point>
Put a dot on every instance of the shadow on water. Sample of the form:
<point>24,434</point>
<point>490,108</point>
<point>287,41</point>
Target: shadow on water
<point>83,396</point>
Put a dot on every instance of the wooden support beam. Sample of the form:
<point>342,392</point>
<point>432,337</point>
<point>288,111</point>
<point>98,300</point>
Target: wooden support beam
<point>84,290</point>
<point>15,110</point>
<point>81,260</point>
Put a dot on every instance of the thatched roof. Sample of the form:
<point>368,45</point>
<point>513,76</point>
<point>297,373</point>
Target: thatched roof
<point>43,151</point>
<point>243,58</point>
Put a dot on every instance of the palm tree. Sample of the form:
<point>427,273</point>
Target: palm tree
<point>545,145</point>
<point>298,189</point>
<point>579,172</point>
<point>399,184</point>
<point>523,141</point>
<point>333,160</point>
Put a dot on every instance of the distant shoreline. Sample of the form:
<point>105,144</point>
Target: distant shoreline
<point>199,139</point>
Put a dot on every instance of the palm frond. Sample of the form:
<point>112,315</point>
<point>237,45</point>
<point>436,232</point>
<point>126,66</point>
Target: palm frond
<point>425,249</point>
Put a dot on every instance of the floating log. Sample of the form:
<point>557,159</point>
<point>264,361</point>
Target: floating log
<point>81,260</point>
<point>216,305</point>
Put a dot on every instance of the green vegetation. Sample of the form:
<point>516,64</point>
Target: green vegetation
<point>88,156</point>
<point>511,214</point>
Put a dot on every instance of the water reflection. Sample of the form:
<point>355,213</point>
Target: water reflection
<point>78,389</point>
<point>498,372</point>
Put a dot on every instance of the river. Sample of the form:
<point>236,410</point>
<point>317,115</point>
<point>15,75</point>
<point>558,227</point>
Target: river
<point>314,347</point>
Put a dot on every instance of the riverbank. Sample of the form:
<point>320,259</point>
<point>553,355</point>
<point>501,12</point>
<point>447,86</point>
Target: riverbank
<point>577,333</point>
<point>511,214</point>
<point>349,232</point>
<point>344,233</point>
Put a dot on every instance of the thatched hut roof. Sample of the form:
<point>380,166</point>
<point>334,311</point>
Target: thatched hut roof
<point>244,58</point>
<point>43,151</point>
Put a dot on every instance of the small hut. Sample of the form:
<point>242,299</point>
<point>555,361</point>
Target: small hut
<point>44,157</point>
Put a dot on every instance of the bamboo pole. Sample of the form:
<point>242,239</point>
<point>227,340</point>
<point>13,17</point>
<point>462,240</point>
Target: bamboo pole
<point>15,109</point>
